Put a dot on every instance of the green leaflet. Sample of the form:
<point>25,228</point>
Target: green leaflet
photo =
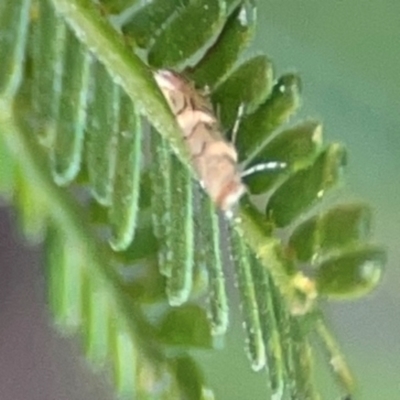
<point>269,328</point>
<point>223,54</point>
<point>276,110</point>
<point>70,117</point>
<point>125,369</point>
<point>298,147</point>
<point>148,285</point>
<point>191,379</point>
<point>7,171</point>
<point>351,274</point>
<point>208,256</point>
<point>186,326</point>
<point>249,304</point>
<point>116,6</point>
<point>339,228</point>
<point>161,199</point>
<point>125,196</point>
<point>301,360</point>
<point>172,217</point>
<point>149,20</point>
<point>180,255</point>
<point>145,245</point>
<point>14,19</point>
<point>247,86</point>
<point>47,42</point>
<point>31,216</point>
<point>179,40</point>
<point>307,186</point>
<point>65,279</point>
<point>102,133</point>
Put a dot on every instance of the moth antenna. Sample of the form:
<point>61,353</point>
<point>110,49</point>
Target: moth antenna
<point>268,166</point>
<point>238,120</point>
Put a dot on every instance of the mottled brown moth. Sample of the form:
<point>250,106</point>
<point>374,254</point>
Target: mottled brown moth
<point>214,158</point>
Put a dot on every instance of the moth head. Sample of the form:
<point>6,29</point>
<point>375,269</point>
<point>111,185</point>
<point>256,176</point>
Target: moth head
<point>172,87</point>
<point>168,80</point>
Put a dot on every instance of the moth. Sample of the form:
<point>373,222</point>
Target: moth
<point>214,158</point>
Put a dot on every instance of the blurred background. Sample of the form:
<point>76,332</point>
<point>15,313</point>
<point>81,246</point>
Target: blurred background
<point>348,56</point>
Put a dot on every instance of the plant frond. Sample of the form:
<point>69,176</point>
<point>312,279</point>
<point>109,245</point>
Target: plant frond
<point>133,233</point>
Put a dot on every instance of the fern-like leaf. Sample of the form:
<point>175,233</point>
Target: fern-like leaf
<point>133,234</point>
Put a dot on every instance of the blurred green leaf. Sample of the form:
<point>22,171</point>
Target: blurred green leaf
<point>116,6</point>
<point>191,378</point>
<point>143,283</point>
<point>14,20</point>
<point>301,360</point>
<point>186,326</point>
<point>7,171</point>
<point>125,369</point>
<point>145,245</point>
<point>32,217</point>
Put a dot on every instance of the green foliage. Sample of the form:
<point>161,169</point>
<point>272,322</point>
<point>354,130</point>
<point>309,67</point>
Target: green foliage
<point>133,234</point>
<point>180,40</point>
<point>277,108</point>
